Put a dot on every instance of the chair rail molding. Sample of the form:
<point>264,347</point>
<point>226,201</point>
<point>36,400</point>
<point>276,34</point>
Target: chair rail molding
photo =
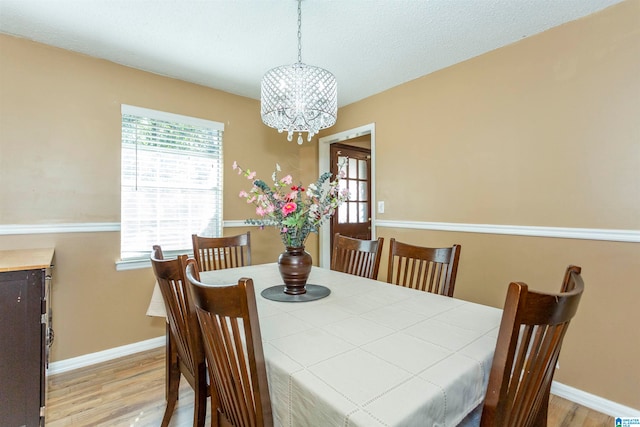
<point>611,235</point>
<point>58,228</point>
<point>79,227</point>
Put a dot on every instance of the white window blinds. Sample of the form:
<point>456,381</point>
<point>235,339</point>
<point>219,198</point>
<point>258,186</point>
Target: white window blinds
<point>171,183</point>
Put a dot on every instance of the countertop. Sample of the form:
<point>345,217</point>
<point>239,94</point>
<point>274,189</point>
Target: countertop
<point>25,259</point>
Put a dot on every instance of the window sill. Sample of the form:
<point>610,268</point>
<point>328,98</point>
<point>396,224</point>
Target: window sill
<point>138,263</point>
<point>133,264</point>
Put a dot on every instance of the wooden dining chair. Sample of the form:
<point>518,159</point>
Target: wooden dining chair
<point>355,256</point>
<point>185,351</point>
<point>427,269</point>
<point>529,340</point>
<point>233,347</point>
<point>217,253</point>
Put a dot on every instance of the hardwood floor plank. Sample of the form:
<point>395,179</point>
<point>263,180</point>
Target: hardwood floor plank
<point>129,392</point>
<point>565,413</point>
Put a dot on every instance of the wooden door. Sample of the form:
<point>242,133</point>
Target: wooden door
<point>21,348</point>
<point>353,218</point>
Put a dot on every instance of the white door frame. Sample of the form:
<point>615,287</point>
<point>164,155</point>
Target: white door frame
<point>324,153</point>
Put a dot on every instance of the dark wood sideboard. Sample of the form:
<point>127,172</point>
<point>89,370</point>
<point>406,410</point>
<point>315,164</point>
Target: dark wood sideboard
<point>25,335</point>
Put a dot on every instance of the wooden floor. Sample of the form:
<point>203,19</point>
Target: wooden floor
<point>130,392</point>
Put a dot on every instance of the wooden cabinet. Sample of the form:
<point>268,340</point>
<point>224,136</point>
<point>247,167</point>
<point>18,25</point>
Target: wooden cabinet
<point>25,335</point>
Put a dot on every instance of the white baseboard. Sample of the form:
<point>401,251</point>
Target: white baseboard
<point>583,398</point>
<point>592,401</point>
<point>104,356</point>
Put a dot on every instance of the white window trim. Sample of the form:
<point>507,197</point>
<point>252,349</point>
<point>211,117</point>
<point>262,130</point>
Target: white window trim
<point>142,262</point>
<point>171,117</point>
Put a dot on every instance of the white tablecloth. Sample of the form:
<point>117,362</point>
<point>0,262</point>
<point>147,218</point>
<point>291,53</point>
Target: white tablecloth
<point>370,354</point>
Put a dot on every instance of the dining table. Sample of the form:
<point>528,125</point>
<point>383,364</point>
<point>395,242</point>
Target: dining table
<point>368,354</point>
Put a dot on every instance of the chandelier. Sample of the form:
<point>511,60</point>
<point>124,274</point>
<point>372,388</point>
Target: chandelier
<point>299,97</point>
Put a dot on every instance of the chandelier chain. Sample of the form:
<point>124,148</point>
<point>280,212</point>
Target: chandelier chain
<point>299,31</point>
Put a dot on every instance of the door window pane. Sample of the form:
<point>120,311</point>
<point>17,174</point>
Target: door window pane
<point>362,169</point>
<point>342,213</point>
<point>353,190</point>
<point>362,190</point>
<point>362,212</point>
<point>353,212</point>
<point>342,184</point>
<point>353,169</point>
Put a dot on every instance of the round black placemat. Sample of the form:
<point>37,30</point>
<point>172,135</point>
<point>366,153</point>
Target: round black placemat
<point>314,292</point>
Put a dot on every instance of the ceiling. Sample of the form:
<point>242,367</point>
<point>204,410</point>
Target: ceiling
<point>370,45</point>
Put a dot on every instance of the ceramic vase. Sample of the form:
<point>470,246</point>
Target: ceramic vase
<point>294,265</point>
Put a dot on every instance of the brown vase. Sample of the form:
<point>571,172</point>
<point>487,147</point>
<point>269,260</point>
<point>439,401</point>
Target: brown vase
<point>295,265</point>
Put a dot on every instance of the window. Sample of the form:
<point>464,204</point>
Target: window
<point>171,181</point>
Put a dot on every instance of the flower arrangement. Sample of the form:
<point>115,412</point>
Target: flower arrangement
<point>294,210</point>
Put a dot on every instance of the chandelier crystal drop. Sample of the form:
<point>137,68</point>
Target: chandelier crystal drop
<point>299,97</point>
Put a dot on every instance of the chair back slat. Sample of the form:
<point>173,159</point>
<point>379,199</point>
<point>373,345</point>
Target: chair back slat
<point>233,347</point>
<point>426,269</point>
<point>217,253</point>
<point>357,257</point>
<point>531,333</point>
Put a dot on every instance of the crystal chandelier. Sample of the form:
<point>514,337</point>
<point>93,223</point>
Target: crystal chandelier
<point>299,97</point>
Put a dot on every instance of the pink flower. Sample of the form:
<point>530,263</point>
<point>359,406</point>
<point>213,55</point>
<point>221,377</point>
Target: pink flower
<point>243,194</point>
<point>235,165</point>
<point>260,211</point>
<point>287,179</point>
<point>292,196</point>
<point>288,208</point>
<point>251,175</point>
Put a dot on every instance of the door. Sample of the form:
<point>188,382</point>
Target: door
<point>21,347</point>
<point>362,136</point>
<point>353,218</point>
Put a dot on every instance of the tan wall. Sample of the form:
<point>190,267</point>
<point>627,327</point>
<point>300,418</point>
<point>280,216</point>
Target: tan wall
<point>544,132</point>
<point>60,142</point>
